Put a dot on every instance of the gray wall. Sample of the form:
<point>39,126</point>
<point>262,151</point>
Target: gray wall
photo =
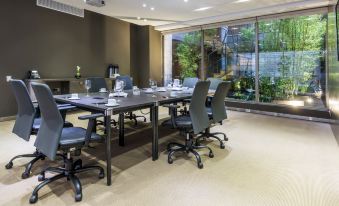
<point>333,84</point>
<point>54,43</point>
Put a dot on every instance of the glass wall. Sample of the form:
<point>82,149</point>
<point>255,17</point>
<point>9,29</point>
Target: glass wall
<point>229,54</point>
<point>286,67</point>
<point>292,60</point>
<point>186,54</point>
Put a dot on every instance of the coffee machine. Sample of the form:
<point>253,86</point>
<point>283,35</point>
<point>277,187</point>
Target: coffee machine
<point>33,74</point>
<point>113,70</point>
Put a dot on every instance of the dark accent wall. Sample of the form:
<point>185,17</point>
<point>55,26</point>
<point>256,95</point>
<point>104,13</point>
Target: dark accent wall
<point>333,80</point>
<point>146,55</point>
<point>54,43</point>
<point>140,55</point>
<point>156,71</point>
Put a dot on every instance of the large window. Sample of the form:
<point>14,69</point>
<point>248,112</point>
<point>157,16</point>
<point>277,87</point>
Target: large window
<point>292,60</point>
<point>229,54</point>
<point>280,60</point>
<point>186,54</point>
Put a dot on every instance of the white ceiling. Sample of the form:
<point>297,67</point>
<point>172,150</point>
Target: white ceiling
<point>173,14</point>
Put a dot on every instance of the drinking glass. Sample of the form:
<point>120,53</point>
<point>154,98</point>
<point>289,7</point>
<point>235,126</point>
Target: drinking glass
<point>88,85</point>
<point>123,84</point>
<point>153,85</point>
<point>118,88</point>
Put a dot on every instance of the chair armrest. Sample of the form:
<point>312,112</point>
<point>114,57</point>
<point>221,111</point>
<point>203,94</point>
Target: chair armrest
<point>172,109</point>
<point>91,124</point>
<point>187,100</point>
<point>61,109</point>
<point>171,106</point>
<point>63,105</point>
<point>90,116</point>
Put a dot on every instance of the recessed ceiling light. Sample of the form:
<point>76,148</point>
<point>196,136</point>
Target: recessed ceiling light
<point>203,8</point>
<point>144,5</point>
<point>145,20</point>
<point>185,0</point>
<point>152,8</point>
<point>241,1</point>
<point>138,17</point>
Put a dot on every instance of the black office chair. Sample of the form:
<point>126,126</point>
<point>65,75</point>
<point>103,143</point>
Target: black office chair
<point>129,86</point>
<point>214,83</point>
<point>52,137</point>
<point>190,82</point>
<point>194,123</point>
<point>217,112</point>
<point>27,123</point>
<point>96,84</point>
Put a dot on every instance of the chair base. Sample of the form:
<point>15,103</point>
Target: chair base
<point>189,147</point>
<point>71,168</point>
<point>208,134</point>
<point>134,117</point>
<point>36,156</point>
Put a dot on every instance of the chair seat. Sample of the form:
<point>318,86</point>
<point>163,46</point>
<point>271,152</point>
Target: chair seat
<point>182,121</point>
<point>74,136</point>
<point>37,122</point>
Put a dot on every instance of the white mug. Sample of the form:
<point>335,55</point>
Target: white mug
<point>112,102</point>
<point>75,96</point>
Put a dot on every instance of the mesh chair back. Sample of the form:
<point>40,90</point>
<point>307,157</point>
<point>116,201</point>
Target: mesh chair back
<point>128,81</point>
<point>197,109</point>
<point>48,137</point>
<point>218,102</point>
<point>97,83</point>
<point>214,83</point>
<point>26,112</point>
<point>190,82</point>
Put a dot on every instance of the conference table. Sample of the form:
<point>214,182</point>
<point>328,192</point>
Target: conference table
<point>95,103</point>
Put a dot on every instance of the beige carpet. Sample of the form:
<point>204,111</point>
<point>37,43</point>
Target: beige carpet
<point>267,161</point>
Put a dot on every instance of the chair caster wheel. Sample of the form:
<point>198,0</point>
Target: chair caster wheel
<point>211,155</point>
<point>33,199</point>
<point>9,165</point>
<point>101,175</point>
<point>78,197</point>
<point>41,177</point>
<point>200,165</point>
<point>43,158</point>
<point>25,175</point>
<point>222,146</point>
<point>170,161</point>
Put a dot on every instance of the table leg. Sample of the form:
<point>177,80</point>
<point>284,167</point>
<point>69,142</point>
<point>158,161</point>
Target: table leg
<point>155,142</point>
<point>108,149</point>
<point>122,129</point>
<point>150,114</point>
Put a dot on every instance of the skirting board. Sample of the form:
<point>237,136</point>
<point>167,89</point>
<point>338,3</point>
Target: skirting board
<point>3,119</point>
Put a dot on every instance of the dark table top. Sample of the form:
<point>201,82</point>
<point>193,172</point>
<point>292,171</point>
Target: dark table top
<point>96,101</point>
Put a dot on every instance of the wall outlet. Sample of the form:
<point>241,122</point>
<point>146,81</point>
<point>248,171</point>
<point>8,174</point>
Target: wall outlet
<point>8,78</point>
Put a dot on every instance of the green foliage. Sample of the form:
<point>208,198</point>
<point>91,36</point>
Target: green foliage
<point>188,53</point>
<point>301,42</point>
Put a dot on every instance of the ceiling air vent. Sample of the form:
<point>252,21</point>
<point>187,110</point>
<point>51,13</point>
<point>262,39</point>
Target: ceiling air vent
<point>57,6</point>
